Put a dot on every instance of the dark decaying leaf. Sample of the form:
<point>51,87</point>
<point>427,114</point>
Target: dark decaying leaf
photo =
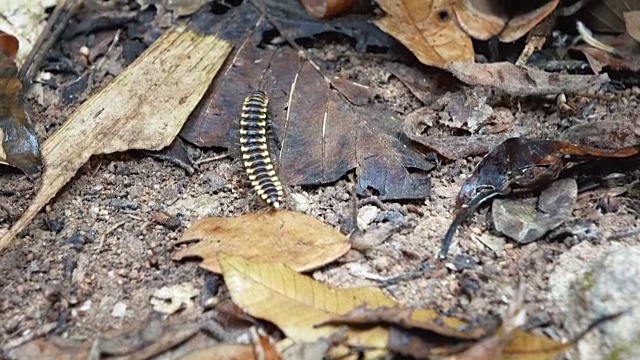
<point>521,81</point>
<point>626,57</point>
<point>18,141</point>
<point>410,319</point>
<point>522,163</point>
<point>527,220</point>
<point>609,135</point>
<point>606,17</point>
<point>322,135</point>
<point>295,23</point>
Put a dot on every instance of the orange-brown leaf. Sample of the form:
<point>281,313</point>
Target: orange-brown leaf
<point>428,29</point>
<point>9,45</point>
<point>295,239</point>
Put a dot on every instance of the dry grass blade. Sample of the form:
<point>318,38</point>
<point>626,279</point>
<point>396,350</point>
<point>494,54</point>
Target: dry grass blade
<point>143,108</point>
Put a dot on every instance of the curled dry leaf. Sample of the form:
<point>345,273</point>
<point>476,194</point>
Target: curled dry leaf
<point>135,111</point>
<point>522,81</point>
<point>526,164</point>
<point>484,19</point>
<point>326,9</point>
<point>9,45</point>
<point>298,240</point>
<point>25,19</point>
<point>19,145</point>
<point>428,29</point>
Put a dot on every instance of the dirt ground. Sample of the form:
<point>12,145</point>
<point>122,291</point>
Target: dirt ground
<point>98,244</point>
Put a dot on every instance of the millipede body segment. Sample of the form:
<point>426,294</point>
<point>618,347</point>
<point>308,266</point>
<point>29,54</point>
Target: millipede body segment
<point>255,151</point>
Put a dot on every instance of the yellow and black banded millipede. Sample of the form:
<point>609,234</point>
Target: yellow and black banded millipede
<point>256,156</point>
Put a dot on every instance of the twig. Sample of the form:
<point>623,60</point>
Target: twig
<point>211,159</point>
<point>41,331</point>
<point>57,22</point>
<point>623,234</point>
<point>109,231</point>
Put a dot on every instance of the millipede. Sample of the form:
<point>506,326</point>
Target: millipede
<point>256,157</point>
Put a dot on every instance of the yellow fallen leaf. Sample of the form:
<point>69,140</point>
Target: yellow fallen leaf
<point>428,28</point>
<point>143,108</point>
<point>527,346</point>
<point>222,352</point>
<point>296,303</point>
<point>295,239</point>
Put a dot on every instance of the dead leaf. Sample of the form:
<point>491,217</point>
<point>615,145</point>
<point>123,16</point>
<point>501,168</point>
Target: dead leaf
<point>624,59</point>
<point>296,303</point>
<point>608,135</point>
<point>409,319</point>
<point>327,9</point>
<point>523,81</point>
<point>19,145</point>
<point>52,349</point>
<point>222,352</point>
<point>134,111</point>
<point>426,85</point>
<point>184,7</point>
<point>293,22</point>
<point>417,128</point>
<point>607,16</point>
<point>298,240</point>
<point>525,164</point>
<point>527,220</point>
<point>484,19</point>
<point>481,20</point>
<point>322,135</point>
<point>9,45</point>
<point>632,24</point>
<point>428,29</point>
<point>25,19</point>
<point>520,25</point>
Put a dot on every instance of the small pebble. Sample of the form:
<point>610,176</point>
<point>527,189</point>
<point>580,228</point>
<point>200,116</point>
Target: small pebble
<point>299,202</point>
<point>119,310</point>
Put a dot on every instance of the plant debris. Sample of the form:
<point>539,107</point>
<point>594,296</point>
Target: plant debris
<point>135,111</point>
<point>521,163</point>
<point>322,134</point>
<point>298,240</point>
<point>527,220</point>
<point>19,145</point>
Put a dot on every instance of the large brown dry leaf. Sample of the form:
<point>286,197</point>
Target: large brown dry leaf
<point>19,145</point>
<point>298,240</point>
<point>484,19</point>
<point>428,29</point>
<point>523,81</point>
<point>143,108</point>
<point>322,134</point>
